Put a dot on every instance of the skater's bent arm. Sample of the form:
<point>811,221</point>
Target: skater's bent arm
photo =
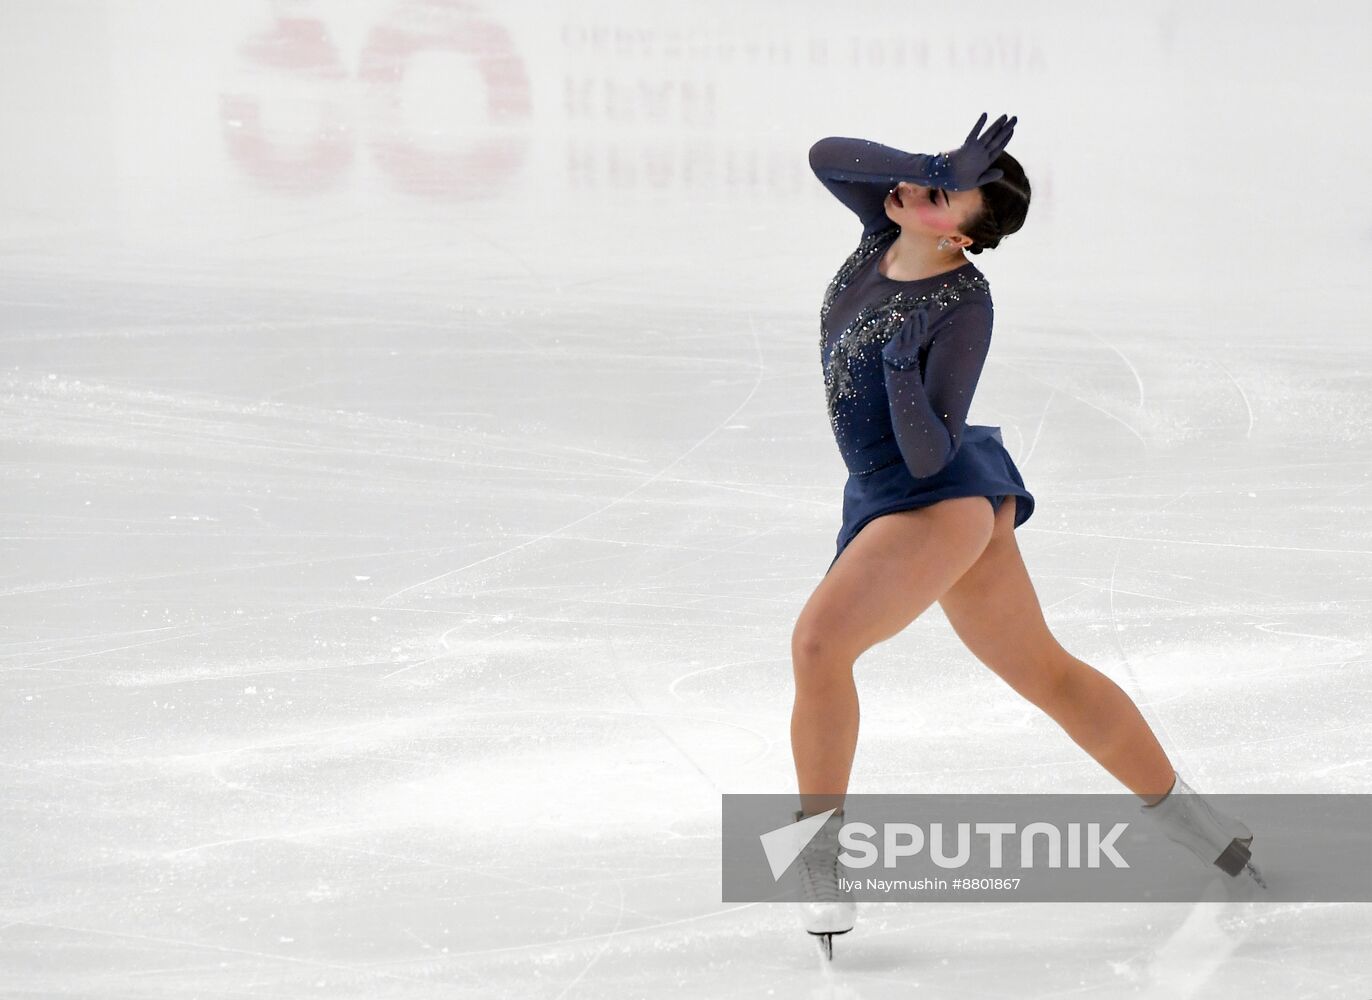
<point>929,414</point>
<point>859,173</point>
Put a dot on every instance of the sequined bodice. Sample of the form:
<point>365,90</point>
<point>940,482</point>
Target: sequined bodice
<point>862,310</point>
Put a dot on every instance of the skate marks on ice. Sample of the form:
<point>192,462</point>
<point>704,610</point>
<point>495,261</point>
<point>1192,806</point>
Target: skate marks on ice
<point>1196,950</point>
<point>758,374</point>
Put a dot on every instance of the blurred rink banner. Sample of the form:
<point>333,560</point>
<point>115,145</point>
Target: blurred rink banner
<point>1046,848</point>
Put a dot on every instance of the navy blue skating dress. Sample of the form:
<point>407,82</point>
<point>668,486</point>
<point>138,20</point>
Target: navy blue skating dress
<point>900,426</point>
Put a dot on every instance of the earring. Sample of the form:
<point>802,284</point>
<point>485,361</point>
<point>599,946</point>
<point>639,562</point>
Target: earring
<point>943,243</point>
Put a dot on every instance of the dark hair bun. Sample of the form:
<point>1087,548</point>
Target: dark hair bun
<point>1005,204</point>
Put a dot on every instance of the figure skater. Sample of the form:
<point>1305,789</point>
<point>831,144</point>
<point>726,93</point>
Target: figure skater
<point>905,328</point>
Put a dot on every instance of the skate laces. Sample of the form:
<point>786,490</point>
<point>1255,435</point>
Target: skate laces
<point>819,870</point>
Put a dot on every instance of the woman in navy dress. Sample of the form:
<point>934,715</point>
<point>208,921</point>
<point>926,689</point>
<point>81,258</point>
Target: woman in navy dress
<point>905,330</point>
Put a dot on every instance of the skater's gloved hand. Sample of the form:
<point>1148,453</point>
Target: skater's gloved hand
<point>969,165</point>
<point>929,402</point>
<point>901,352</point>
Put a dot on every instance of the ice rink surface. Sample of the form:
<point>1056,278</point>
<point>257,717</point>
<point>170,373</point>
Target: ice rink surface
<point>415,459</point>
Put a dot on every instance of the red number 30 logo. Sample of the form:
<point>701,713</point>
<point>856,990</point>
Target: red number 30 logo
<point>314,155</point>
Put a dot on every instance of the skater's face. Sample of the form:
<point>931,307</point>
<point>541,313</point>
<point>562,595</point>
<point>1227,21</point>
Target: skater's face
<point>936,211</point>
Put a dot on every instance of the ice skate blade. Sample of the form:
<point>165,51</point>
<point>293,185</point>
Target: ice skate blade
<point>826,942</point>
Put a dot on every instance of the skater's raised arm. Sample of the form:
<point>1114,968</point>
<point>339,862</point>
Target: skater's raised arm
<point>860,173</point>
<point>929,412</point>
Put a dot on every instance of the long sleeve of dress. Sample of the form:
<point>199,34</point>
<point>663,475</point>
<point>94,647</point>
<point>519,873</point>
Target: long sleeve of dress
<point>930,396</point>
<point>859,173</point>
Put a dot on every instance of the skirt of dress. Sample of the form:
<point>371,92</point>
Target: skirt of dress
<point>981,467</point>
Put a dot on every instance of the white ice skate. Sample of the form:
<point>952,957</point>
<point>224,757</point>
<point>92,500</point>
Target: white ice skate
<point>827,908</point>
<point>1214,837</point>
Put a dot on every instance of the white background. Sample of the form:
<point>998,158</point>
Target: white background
<point>415,459</point>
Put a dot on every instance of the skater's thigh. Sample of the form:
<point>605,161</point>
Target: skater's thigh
<point>995,611</point>
<point>889,574</point>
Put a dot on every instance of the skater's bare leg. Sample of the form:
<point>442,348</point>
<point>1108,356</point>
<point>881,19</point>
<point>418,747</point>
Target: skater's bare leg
<point>894,569</point>
<point>1104,721</point>
<point>995,611</point>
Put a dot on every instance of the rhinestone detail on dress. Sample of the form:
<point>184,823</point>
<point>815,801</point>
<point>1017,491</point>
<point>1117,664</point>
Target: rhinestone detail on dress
<point>878,322</point>
<point>849,267</point>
